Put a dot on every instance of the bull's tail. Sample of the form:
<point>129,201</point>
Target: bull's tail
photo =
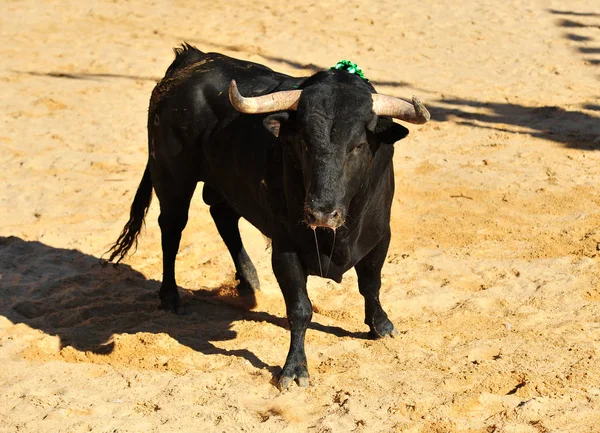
<point>139,208</point>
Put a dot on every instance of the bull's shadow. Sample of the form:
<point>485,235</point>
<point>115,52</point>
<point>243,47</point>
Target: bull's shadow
<point>67,293</point>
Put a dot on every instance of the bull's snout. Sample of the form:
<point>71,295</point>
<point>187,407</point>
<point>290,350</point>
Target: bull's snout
<point>324,218</point>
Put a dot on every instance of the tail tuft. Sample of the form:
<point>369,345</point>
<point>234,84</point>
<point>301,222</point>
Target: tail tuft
<point>139,208</point>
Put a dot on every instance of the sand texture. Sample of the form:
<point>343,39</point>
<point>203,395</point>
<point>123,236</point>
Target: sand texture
<point>492,277</point>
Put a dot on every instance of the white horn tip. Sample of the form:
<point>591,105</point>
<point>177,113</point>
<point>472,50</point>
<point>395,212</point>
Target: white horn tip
<point>232,88</point>
<point>423,115</point>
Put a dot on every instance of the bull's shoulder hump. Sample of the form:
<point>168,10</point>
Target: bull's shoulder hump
<point>177,75</point>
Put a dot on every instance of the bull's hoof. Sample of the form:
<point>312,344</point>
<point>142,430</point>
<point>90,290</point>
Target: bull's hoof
<point>248,283</point>
<point>247,292</point>
<point>245,288</point>
<point>299,373</point>
<point>382,329</point>
<point>171,303</point>
<point>249,301</point>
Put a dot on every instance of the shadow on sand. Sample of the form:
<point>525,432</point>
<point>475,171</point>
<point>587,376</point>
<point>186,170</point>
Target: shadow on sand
<point>67,293</point>
<point>87,75</point>
<point>573,129</point>
<point>575,24</point>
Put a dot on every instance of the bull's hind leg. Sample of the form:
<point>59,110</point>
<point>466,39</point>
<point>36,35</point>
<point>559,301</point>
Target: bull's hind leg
<point>174,197</point>
<point>368,271</point>
<point>227,219</point>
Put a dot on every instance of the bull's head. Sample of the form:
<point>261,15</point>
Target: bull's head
<point>336,133</point>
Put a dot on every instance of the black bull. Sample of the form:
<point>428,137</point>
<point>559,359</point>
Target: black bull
<point>315,176</point>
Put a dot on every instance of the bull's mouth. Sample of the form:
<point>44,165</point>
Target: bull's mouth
<point>330,219</point>
<point>332,227</point>
<point>324,226</point>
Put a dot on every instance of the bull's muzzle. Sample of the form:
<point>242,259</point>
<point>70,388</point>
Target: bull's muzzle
<point>331,219</point>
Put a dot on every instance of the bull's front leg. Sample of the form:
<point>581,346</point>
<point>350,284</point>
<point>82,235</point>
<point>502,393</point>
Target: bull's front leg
<point>368,271</point>
<point>291,277</point>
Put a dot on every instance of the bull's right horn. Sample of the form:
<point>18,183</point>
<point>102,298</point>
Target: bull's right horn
<point>397,108</point>
<point>277,101</point>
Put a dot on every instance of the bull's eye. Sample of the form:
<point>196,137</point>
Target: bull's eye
<point>360,146</point>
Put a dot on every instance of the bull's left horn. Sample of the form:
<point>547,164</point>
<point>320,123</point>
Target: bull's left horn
<point>397,108</point>
<point>277,101</point>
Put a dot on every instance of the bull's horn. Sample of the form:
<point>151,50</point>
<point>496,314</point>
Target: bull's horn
<point>277,101</point>
<point>416,112</point>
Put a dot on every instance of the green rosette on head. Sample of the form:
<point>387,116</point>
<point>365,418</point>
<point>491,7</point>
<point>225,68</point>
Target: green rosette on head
<point>351,67</point>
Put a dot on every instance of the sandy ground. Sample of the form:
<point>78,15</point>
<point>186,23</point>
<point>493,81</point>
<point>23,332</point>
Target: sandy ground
<point>492,276</point>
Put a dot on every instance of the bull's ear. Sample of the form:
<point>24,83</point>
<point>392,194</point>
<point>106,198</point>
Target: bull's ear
<point>390,132</point>
<point>274,121</point>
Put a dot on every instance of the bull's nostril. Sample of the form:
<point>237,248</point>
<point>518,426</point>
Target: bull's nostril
<point>309,216</point>
<point>335,214</point>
